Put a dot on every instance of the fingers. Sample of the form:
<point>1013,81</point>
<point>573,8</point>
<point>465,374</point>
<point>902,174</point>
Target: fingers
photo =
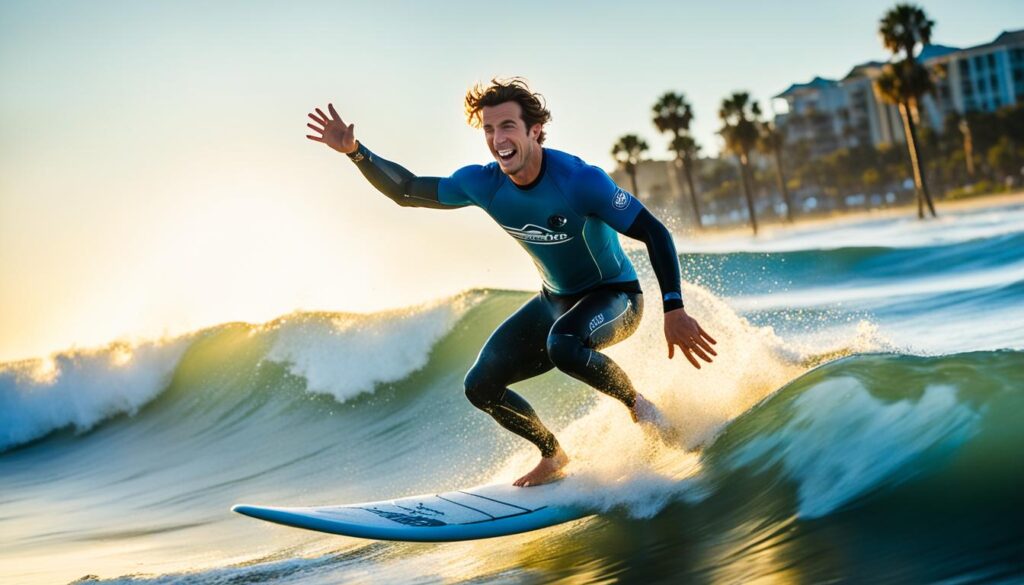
<point>334,114</point>
<point>703,345</point>
<point>323,115</point>
<point>693,360</point>
<point>700,353</point>
<point>321,121</point>
<point>316,138</point>
<point>705,335</point>
<point>671,350</point>
<point>316,129</point>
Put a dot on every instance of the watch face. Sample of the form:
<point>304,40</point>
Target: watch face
<point>556,221</point>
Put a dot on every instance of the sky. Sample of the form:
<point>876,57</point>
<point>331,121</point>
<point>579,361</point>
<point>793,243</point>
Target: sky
<point>155,178</point>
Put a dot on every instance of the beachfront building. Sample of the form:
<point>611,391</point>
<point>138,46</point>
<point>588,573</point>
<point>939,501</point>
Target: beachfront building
<point>828,114</point>
<point>814,113</point>
<point>982,78</point>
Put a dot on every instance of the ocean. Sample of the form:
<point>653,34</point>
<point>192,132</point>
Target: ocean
<point>862,424</point>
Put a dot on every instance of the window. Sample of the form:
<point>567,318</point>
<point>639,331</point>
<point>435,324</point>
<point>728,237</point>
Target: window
<point>965,67</point>
<point>992,60</point>
<point>979,62</point>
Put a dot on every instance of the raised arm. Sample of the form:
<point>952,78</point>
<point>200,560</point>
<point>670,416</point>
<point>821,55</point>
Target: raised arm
<point>391,179</point>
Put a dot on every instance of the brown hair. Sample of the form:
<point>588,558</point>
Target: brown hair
<point>500,91</point>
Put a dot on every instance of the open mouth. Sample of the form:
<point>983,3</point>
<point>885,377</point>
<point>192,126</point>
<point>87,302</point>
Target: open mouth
<point>506,154</point>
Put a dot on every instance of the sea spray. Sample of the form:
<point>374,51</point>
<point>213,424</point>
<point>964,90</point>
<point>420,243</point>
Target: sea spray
<point>615,463</point>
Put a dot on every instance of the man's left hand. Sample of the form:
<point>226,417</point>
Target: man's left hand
<point>684,331</point>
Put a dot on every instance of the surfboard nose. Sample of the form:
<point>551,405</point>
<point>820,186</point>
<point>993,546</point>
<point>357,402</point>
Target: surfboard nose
<point>246,509</point>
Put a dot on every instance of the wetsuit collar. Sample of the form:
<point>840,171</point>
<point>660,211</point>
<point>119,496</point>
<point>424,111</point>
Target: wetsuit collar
<point>540,175</point>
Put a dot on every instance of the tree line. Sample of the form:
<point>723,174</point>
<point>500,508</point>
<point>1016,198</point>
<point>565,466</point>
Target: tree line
<point>973,153</point>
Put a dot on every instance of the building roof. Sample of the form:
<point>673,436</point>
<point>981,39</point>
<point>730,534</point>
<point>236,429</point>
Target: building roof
<point>932,51</point>
<point>1007,37</point>
<point>816,83</point>
<point>858,70</point>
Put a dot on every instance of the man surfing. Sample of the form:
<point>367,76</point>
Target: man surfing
<point>567,215</point>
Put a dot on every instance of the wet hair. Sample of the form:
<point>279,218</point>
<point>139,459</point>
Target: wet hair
<point>500,91</point>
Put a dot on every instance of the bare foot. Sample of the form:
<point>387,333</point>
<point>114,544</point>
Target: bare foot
<point>549,469</point>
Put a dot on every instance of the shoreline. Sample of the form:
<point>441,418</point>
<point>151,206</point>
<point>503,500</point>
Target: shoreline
<point>775,225</point>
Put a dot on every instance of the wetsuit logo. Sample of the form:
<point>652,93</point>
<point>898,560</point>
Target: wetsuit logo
<point>534,234</point>
<point>621,200</point>
<point>596,321</point>
<point>556,221</point>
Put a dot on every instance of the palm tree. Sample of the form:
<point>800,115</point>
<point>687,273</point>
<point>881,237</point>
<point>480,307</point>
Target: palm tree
<point>739,129</point>
<point>672,113</point>
<point>628,152</point>
<point>770,142</point>
<point>903,82</point>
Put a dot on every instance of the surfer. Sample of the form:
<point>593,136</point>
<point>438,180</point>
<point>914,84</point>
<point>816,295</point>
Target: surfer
<point>565,213</point>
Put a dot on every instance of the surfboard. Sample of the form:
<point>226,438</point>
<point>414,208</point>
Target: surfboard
<point>469,514</point>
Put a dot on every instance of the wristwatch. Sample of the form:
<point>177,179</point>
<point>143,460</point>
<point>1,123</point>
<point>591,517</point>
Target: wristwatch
<point>357,154</point>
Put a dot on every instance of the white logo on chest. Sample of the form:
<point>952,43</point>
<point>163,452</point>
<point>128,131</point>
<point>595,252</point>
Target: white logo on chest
<point>596,321</point>
<point>534,234</point>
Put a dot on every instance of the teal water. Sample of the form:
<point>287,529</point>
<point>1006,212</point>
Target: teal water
<point>860,425</point>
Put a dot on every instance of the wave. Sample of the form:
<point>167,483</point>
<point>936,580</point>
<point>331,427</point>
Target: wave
<point>857,428</point>
<point>896,231</point>
<point>891,456</point>
<point>339,354</point>
<point>854,271</point>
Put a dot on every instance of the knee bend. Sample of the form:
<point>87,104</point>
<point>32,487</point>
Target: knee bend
<point>480,390</point>
<point>565,351</point>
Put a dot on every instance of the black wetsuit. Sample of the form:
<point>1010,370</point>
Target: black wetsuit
<point>567,221</point>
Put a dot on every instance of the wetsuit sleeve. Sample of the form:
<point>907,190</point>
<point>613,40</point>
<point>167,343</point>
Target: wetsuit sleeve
<point>399,184</point>
<point>470,185</point>
<point>598,195</point>
<point>602,198</point>
<point>664,259</point>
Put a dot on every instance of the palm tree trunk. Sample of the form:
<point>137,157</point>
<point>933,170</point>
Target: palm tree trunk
<point>746,193</point>
<point>782,183</point>
<point>693,192</point>
<point>965,130</point>
<point>632,179</point>
<point>915,161</point>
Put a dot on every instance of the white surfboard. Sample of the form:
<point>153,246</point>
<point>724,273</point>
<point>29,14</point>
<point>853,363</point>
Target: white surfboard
<point>480,512</point>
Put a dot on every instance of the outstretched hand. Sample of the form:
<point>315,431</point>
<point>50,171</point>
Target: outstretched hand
<point>684,331</point>
<point>332,130</point>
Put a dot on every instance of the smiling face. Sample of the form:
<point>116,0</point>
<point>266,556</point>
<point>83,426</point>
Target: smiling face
<point>512,144</point>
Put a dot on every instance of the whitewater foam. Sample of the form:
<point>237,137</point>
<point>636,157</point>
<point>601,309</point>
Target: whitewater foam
<point>615,463</point>
<point>346,355</point>
<point>81,388</point>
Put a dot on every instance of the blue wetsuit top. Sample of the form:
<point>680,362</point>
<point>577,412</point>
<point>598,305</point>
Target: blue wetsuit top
<point>566,219</point>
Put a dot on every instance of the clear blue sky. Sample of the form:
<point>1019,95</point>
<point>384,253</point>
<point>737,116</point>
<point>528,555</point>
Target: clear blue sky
<point>154,175</point>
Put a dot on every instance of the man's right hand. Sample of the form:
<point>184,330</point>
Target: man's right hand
<point>333,131</point>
